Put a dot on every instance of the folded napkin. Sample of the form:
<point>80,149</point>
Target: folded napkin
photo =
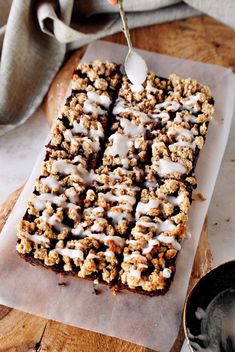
<point>35,36</point>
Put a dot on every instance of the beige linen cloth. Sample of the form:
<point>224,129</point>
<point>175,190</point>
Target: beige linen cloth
<point>35,36</point>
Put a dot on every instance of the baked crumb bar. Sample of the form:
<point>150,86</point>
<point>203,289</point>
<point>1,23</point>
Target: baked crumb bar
<point>115,188</point>
<point>160,227</point>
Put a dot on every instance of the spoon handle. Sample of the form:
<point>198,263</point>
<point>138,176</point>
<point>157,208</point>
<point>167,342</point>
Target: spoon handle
<point>125,25</point>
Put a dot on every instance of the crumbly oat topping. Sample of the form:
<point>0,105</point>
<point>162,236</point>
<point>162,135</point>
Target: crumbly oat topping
<point>115,188</point>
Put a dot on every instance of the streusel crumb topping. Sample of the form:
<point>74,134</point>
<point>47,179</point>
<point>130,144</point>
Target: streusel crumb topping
<point>113,197</point>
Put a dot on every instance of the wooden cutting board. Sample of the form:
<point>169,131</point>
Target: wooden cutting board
<point>199,38</point>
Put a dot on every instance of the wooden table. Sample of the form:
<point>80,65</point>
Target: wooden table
<point>199,38</point>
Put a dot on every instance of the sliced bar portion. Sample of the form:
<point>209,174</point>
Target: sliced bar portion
<point>81,129</point>
<point>119,177</point>
<point>48,234</point>
<point>176,145</point>
<point>161,216</point>
<point>110,211</point>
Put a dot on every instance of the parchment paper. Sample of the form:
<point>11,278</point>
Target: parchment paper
<point>152,322</point>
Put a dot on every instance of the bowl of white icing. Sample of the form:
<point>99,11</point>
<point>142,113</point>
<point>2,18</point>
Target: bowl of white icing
<point>209,311</point>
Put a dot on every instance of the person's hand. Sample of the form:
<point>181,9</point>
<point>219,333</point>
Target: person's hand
<point>113,2</point>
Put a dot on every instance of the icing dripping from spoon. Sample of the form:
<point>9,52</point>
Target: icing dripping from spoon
<point>135,66</point>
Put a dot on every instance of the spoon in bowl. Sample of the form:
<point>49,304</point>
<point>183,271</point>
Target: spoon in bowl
<point>135,66</point>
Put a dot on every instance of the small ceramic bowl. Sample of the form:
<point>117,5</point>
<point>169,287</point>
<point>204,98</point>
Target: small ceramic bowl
<point>207,288</point>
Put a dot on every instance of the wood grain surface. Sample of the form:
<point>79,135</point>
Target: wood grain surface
<point>200,38</point>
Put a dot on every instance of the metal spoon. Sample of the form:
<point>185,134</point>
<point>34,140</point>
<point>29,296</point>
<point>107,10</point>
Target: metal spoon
<point>135,66</point>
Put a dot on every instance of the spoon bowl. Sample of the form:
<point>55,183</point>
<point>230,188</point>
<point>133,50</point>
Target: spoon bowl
<point>135,67</point>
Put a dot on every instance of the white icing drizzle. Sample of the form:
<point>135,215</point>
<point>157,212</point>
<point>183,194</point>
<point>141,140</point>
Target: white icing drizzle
<point>185,117</point>
<point>150,245</point>
<point>96,133</point>
<point>125,162</point>
<point>140,235</point>
<point>68,136</point>
<point>90,108</point>
<point>193,99</point>
<point>144,208</point>
<point>158,144</point>
<point>87,176</point>
<point>78,230</point>
<point>94,99</point>
<point>176,200</point>
<point>98,210</point>
<point>178,118</point>
<point>121,145</point>
<point>113,198</point>
<point>71,253</point>
<point>150,184</point>
<point>51,182</point>
<point>128,257</point>
<point>124,206</point>
<point>92,256</point>
<point>93,132</point>
<point>102,99</point>
<point>121,107</point>
<point>74,198</point>
<point>138,141</point>
<point>40,201</point>
<point>109,254</point>
<point>79,127</point>
<point>150,88</point>
<point>137,88</point>
<point>183,144</point>
<point>166,273</point>
<point>78,159</point>
<point>104,238</point>
<point>190,118</point>
<point>142,266</point>
<point>131,242</point>
<point>174,106</point>
<point>118,216</point>
<point>168,105</point>
<point>130,128</point>
<point>53,221</point>
<point>163,116</point>
<point>65,168</point>
<point>37,238</point>
<point>135,273</point>
<point>96,226</point>
<point>166,226</point>
<point>95,145</point>
<point>165,167</point>
<point>178,132</point>
<point>121,186</point>
<point>169,239</point>
<point>146,224</point>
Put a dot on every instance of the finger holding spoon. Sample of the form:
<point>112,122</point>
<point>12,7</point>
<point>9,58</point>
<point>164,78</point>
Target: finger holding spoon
<point>113,2</point>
